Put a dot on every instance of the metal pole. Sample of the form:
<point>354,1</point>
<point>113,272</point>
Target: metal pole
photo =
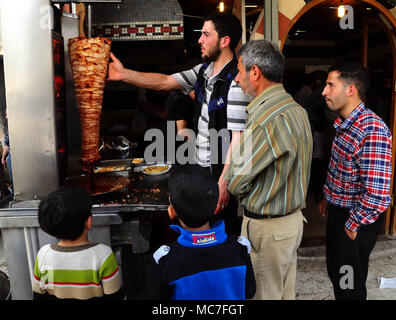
<point>29,253</point>
<point>243,16</point>
<point>274,22</point>
<point>89,20</point>
<point>267,20</point>
<point>271,31</point>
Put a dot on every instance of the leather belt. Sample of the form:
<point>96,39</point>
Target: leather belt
<point>253,215</point>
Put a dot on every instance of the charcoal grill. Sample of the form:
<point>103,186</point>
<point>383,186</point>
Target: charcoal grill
<point>142,206</point>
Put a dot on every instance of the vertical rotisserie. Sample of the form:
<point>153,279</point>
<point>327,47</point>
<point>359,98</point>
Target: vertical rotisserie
<point>89,58</point>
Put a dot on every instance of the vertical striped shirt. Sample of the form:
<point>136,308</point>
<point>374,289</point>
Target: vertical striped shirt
<point>269,170</point>
<point>360,168</point>
<point>236,108</point>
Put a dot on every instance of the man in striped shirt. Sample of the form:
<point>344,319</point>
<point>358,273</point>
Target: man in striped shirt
<point>220,102</point>
<point>269,170</point>
<point>358,181</point>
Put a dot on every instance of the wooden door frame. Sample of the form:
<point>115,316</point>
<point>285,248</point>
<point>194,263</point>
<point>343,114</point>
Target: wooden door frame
<point>390,222</point>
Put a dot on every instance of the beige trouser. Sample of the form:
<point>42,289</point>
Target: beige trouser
<point>274,245</point>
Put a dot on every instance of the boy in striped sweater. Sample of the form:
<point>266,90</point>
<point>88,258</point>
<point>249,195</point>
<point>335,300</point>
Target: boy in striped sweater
<point>73,268</point>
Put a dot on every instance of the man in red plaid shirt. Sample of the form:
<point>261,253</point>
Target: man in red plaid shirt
<point>356,191</point>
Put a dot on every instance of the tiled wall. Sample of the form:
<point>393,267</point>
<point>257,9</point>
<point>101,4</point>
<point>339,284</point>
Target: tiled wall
<point>150,30</point>
<point>138,20</point>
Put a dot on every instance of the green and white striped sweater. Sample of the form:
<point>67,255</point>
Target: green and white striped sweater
<point>80,272</point>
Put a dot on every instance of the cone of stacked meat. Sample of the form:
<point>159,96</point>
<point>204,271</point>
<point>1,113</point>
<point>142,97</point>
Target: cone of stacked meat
<point>89,58</point>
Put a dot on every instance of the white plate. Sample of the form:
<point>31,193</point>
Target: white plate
<point>156,165</point>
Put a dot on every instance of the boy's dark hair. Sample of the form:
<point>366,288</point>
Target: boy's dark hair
<point>63,213</point>
<point>355,74</point>
<point>194,194</point>
<point>226,24</point>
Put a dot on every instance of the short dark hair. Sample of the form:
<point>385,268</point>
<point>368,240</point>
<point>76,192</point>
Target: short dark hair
<point>63,213</point>
<point>355,74</point>
<point>194,194</point>
<point>226,24</point>
<point>266,56</point>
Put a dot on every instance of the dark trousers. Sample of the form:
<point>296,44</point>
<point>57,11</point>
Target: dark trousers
<point>347,260</point>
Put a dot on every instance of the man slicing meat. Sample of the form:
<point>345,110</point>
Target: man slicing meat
<point>220,102</point>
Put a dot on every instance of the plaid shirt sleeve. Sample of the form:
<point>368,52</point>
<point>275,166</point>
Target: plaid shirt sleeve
<point>375,173</point>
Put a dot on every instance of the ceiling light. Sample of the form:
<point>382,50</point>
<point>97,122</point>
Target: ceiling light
<point>221,6</point>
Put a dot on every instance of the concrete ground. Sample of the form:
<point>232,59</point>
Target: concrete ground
<point>312,281</point>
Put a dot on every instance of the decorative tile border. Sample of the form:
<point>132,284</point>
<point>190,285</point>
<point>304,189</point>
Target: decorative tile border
<point>159,30</point>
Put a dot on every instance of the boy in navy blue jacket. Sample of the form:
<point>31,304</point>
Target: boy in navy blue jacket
<point>204,263</point>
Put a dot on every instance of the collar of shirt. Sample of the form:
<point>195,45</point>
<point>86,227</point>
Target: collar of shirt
<point>209,70</point>
<point>341,124</point>
<point>205,238</point>
<point>265,95</point>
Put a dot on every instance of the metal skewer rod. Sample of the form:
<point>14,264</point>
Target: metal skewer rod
<point>89,20</point>
<point>92,179</point>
